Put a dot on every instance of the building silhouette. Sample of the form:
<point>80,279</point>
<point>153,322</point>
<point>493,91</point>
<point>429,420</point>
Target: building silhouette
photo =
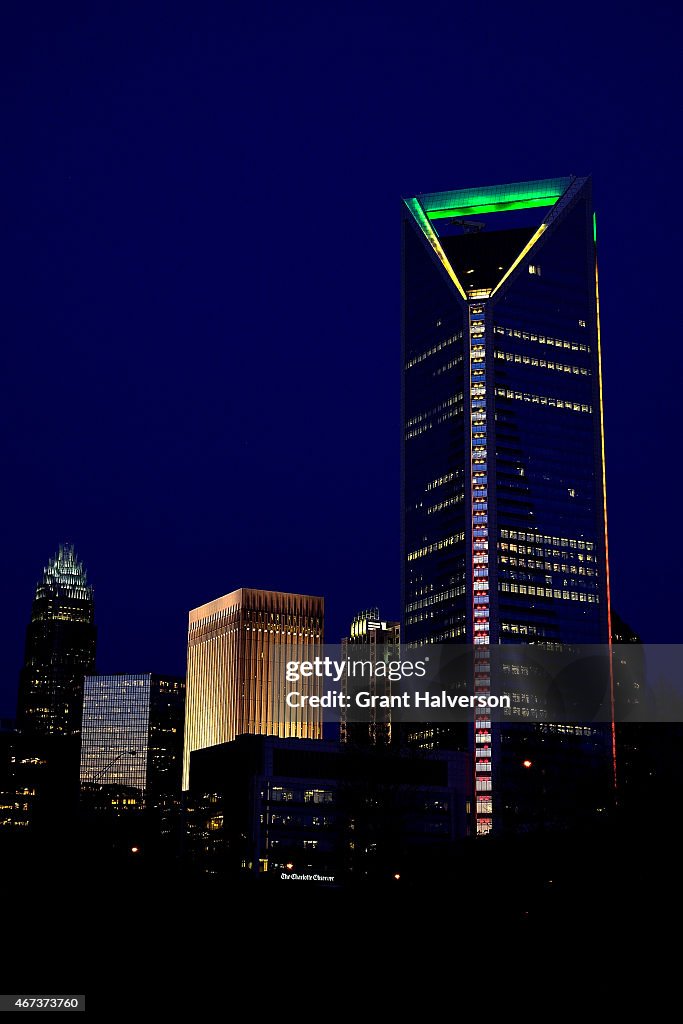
<point>60,649</point>
<point>319,812</point>
<point>504,512</point>
<point>238,646</point>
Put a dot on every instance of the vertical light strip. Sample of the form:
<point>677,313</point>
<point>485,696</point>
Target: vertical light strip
<point>604,509</point>
<point>483,796</point>
<point>530,244</point>
<point>431,236</point>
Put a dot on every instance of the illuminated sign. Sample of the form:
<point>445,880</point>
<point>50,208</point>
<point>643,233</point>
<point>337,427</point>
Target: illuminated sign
<point>306,878</point>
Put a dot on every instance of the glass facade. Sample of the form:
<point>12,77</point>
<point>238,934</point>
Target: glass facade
<point>237,647</point>
<point>132,733</point>
<point>434,465</point>
<point>508,428</point>
<point>60,649</point>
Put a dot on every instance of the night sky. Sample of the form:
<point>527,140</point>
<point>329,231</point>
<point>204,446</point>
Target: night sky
<point>200,286</point>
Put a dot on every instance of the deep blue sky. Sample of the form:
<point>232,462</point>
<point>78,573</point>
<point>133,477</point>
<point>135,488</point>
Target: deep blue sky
<point>200,286</point>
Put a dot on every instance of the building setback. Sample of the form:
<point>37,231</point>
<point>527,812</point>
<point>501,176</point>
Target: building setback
<point>237,650</point>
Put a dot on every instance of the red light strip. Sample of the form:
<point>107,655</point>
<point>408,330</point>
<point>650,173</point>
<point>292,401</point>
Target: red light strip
<point>480,547</point>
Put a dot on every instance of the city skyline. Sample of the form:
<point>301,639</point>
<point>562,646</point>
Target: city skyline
<point>453,235</point>
<point>485,468</point>
<point>341,663</point>
<point>155,353</point>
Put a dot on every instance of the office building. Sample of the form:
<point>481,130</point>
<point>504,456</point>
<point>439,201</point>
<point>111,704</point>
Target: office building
<point>504,513</point>
<point>318,812</point>
<point>371,639</point>
<point>237,650</point>
<point>38,782</point>
<point>60,649</point>
<point>132,737</point>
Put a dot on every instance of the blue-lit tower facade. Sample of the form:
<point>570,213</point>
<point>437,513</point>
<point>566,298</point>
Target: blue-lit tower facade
<point>504,514</point>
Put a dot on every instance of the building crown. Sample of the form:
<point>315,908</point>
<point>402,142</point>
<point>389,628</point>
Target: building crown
<point>65,571</point>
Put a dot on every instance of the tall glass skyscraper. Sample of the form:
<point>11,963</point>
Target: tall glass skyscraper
<point>504,515</point>
<point>237,647</point>
<point>60,649</point>
<point>132,734</point>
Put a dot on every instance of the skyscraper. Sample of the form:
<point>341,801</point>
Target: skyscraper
<point>60,649</point>
<point>132,735</point>
<point>236,653</point>
<point>504,515</point>
<point>374,640</point>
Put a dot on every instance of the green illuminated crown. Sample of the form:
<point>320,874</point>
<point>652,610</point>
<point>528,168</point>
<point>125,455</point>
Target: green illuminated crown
<point>433,210</point>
